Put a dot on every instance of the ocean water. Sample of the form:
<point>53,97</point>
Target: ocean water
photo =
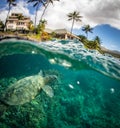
<point>86,92</point>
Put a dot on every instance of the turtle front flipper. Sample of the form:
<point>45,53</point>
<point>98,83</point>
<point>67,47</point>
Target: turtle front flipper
<point>48,80</point>
<point>48,90</point>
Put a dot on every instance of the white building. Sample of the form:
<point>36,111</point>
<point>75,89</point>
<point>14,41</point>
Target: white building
<point>17,22</point>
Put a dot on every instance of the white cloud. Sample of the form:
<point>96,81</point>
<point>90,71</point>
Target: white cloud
<point>94,12</point>
<point>3,15</point>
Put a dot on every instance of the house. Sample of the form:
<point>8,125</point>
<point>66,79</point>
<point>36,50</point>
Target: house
<point>17,22</point>
<point>62,33</point>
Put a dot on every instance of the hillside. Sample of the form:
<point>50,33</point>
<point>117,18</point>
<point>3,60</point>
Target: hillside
<point>111,52</point>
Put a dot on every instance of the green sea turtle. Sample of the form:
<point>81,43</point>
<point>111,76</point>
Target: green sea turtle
<point>26,89</point>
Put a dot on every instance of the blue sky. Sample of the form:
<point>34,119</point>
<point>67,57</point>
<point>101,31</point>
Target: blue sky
<point>110,36</point>
<point>105,21</point>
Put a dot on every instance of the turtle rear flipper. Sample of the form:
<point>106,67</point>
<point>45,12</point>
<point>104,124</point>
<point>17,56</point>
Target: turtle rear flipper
<point>48,90</point>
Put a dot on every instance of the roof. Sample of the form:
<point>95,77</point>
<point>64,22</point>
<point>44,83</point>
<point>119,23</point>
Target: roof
<point>48,30</point>
<point>60,31</point>
<point>64,31</point>
<point>16,14</point>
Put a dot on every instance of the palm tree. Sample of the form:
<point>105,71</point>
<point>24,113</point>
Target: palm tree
<point>36,4</point>
<point>41,26</point>
<point>75,16</point>
<point>87,29</point>
<point>98,40</point>
<point>1,26</point>
<point>46,4</point>
<point>10,4</point>
<point>31,26</point>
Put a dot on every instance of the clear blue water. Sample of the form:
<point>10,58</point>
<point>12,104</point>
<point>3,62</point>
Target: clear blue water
<point>86,95</point>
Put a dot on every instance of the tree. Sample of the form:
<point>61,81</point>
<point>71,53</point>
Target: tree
<point>31,26</point>
<point>36,4</point>
<point>82,38</point>
<point>98,40</point>
<point>41,30</point>
<point>75,16</point>
<point>41,26</point>
<point>46,4</point>
<point>87,29</point>
<point>1,26</point>
<point>10,4</point>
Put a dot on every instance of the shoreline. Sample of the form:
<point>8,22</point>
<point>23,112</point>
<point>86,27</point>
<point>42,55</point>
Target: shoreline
<point>19,37</point>
<point>28,38</point>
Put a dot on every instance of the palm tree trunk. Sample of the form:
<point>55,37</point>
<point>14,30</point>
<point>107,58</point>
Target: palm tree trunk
<point>36,15</point>
<point>87,34</point>
<point>72,26</point>
<point>5,28</point>
<point>44,11</point>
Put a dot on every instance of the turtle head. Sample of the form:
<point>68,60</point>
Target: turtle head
<point>50,79</point>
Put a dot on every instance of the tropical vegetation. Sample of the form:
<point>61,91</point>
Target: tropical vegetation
<point>91,44</point>
<point>87,29</point>
<point>74,16</point>
<point>31,26</point>
<point>36,5</point>
<point>98,40</point>
<point>1,25</point>
<point>39,29</point>
<point>46,4</point>
<point>41,26</point>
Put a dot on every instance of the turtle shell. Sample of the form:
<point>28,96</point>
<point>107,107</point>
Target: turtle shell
<point>22,91</point>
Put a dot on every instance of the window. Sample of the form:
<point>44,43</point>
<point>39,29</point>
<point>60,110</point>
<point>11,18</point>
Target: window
<point>20,23</point>
<point>10,22</point>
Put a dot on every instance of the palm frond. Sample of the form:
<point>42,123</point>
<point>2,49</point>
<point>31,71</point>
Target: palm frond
<point>36,1</point>
<point>30,1</point>
<point>35,4</point>
<point>74,16</point>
